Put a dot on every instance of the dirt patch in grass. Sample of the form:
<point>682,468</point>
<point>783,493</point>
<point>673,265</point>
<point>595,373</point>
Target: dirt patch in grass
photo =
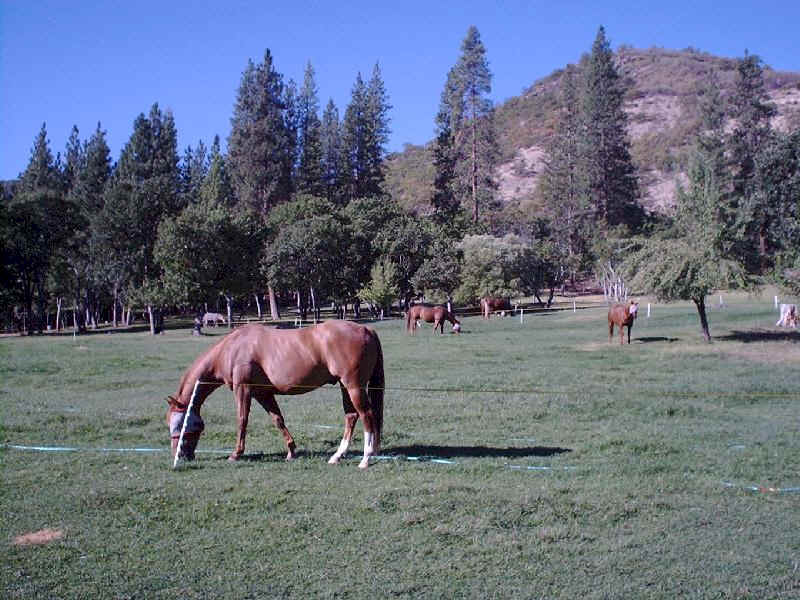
<point>36,538</point>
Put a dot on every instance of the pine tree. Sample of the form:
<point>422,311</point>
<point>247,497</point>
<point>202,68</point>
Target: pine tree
<point>143,190</point>
<point>331,158</point>
<point>309,178</point>
<point>751,110</point>
<point>466,146</point>
<point>365,131</point>
<point>37,229</point>
<point>216,187</point>
<point>605,149</point>
<point>260,146</point>
<point>193,170</point>
<point>562,187</point>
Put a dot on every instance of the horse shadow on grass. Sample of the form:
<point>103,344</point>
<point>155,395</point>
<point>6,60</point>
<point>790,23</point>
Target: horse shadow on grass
<point>474,451</point>
<point>418,450</point>
<point>760,335</point>
<point>657,338</point>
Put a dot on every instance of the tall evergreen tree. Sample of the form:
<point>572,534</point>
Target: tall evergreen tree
<point>562,188</point>
<point>37,228</point>
<point>216,187</point>
<point>331,149</point>
<point>260,149</point>
<point>193,169</point>
<point>87,194</point>
<point>466,146</point>
<point>365,131</point>
<point>309,177</point>
<point>751,110</point>
<point>605,148</point>
<point>143,190</point>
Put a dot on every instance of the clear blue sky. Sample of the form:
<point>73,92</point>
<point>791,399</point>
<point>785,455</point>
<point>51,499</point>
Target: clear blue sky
<point>72,62</point>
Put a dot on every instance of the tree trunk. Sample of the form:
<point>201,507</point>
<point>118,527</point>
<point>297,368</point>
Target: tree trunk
<point>273,304</point>
<point>152,320</point>
<point>229,304</point>
<point>701,310</point>
<point>58,314</point>
<point>475,167</point>
<point>258,306</point>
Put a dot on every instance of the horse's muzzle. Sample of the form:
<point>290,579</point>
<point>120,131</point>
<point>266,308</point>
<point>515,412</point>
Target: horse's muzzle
<point>187,447</point>
<point>191,435</point>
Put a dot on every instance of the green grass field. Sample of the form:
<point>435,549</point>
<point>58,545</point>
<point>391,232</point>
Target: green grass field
<point>519,460</point>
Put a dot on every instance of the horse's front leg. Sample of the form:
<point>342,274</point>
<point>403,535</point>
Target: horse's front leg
<point>267,401</point>
<point>242,398</point>
<point>610,331</point>
<point>629,332</point>
<point>350,420</point>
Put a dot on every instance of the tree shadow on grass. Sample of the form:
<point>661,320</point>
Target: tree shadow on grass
<point>759,335</point>
<point>647,340</point>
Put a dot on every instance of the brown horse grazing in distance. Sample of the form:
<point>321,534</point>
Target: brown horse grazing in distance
<point>490,304</point>
<point>258,362</point>
<point>430,314</point>
<point>622,315</point>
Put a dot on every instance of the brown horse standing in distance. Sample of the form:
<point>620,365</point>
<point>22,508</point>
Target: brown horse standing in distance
<point>490,304</point>
<point>622,315</point>
<point>259,362</point>
<point>430,314</point>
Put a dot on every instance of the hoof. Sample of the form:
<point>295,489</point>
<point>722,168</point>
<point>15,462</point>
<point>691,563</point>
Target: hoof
<point>364,463</point>
<point>290,456</point>
<point>233,457</point>
<point>333,460</point>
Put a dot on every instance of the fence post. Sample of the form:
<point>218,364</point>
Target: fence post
<point>648,310</point>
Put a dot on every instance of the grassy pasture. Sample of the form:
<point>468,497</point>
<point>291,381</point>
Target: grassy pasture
<point>523,460</point>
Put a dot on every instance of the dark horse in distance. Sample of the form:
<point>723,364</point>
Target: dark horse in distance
<point>622,315</point>
<point>430,314</point>
<point>258,362</point>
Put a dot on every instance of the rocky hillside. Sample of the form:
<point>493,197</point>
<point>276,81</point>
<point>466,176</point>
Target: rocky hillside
<point>662,108</point>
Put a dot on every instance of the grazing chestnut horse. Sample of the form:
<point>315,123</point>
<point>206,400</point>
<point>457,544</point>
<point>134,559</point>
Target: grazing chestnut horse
<point>622,315</point>
<point>258,362</point>
<point>490,304</point>
<point>430,314</point>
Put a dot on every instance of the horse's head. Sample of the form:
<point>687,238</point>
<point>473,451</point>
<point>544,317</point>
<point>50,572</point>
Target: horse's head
<point>176,415</point>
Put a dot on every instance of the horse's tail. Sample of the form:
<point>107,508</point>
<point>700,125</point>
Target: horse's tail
<point>376,388</point>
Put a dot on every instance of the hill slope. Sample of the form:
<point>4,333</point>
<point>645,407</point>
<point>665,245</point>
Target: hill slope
<point>662,108</point>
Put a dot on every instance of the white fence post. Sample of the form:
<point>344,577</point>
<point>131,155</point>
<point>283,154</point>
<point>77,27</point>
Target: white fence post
<point>648,310</point>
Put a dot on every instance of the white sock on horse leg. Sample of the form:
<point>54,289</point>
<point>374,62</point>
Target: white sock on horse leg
<point>343,446</point>
<point>369,449</point>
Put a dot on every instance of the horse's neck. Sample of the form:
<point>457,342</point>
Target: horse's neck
<point>201,372</point>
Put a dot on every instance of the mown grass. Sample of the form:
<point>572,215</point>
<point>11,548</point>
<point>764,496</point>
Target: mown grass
<point>523,460</point>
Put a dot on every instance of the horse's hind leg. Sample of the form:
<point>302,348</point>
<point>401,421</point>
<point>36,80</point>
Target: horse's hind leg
<point>267,401</point>
<point>350,420</point>
<point>610,331</point>
<point>242,395</point>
